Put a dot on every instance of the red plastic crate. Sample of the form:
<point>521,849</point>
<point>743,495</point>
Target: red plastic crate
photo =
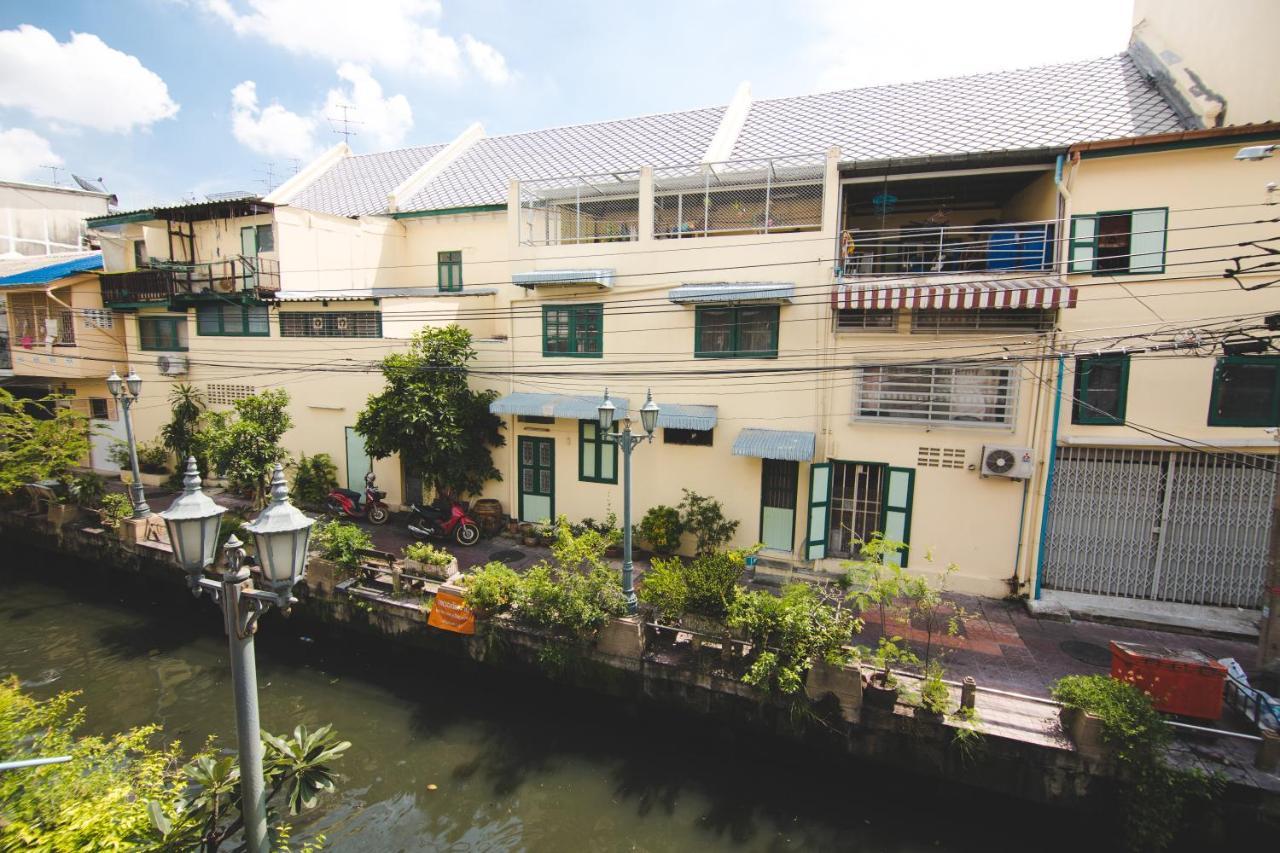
<point>1181,681</point>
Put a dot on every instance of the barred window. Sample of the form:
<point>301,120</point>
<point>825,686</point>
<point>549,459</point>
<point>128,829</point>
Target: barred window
<point>955,395</point>
<point>331,324</point>
<point>933,321</point>
<point>851,319</point>
<point>99,318</point>
<point>33,317</point>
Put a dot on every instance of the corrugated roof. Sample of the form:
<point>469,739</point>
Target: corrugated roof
<point>555,406</point>
<point>359,185</point>
<point>602,277</point>
<point>789,445</point>
<point>686,416</point>
<point>42,269</point>
<point>733,291</point>
<point>366,293</point>
<point>1046,107</point>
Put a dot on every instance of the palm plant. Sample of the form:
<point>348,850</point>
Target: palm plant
<point>181,434</point>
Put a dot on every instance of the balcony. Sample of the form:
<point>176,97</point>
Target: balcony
<point>164,281</point>
<point>923,250</point>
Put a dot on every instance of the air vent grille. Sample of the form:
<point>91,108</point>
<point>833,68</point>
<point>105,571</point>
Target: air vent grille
<point>940,457</point>
<point>224,394</point>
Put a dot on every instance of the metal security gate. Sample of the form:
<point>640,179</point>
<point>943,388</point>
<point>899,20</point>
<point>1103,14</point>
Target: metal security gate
<point>1183,526</point>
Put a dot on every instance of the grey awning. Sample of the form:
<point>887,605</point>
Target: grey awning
<point>684,416</point>
<point>366,293</point>
<point>793,446</point>
<point>541,278</point>
<point>554,406</point>
<point>735,291</point>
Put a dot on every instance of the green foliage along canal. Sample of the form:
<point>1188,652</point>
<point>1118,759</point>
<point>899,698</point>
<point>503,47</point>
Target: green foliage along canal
<point>518,764</point>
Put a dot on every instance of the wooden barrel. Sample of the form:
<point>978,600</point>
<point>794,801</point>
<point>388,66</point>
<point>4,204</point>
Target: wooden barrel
<point>488,514</point>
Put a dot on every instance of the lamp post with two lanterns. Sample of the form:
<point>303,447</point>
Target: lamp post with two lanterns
<point>127,391</point>
<point>625,440</point>
<point>280,533</point>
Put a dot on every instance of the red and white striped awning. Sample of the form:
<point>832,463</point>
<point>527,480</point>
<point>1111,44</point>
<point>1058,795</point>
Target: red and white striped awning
<point>955,293</point>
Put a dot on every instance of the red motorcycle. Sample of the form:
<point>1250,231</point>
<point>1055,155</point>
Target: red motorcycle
<point>437,520</point>
<point>351,504</point>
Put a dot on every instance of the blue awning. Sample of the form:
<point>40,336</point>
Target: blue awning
<point>736,291</point>
<point>55,268</point>
<point>789,445</point>
<point>685,416</point>
<point>554,406</point>
<point>541,278</point>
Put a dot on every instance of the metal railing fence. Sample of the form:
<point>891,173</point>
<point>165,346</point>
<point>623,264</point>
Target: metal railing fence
<point>770,196</point>
<point>1008,247</point>
<point>580,209</point>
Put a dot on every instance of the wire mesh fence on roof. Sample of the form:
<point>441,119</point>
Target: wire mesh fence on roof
<point>771,196</point>
<point>580,209</point>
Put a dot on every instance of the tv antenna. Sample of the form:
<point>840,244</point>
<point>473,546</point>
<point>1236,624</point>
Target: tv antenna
<point>53,174</point>
<point>346,122</point>
<point>268,173</point>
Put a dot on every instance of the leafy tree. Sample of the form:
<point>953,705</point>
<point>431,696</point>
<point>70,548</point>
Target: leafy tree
<point>182,433</point>
<point>442,430</point>
<point>39,440</point>
<point>789,632</point>
<point>706,585</point>
<point>125,792</point>
<point>244,445</point>
<point>704,518</point>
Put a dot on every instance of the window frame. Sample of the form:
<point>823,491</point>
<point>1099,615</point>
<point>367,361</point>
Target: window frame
<point>871,320</point>
<point>1215,394</point>
<point>699,323</point>
<point>353,317</point>
<point>175,324</point>
<point>709,434</point>
<point>572,330</point>
<point>988,321</point>
<point>1080,413</point>
<point>1090,266</point>
<point>244,321</point>
<point>454,267</point>
<point>909,415</point>
<point>600,444</point>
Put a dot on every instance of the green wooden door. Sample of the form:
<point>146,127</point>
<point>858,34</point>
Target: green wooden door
<point>358,461</point>
<point>537,478</point>
<point>778,503</point>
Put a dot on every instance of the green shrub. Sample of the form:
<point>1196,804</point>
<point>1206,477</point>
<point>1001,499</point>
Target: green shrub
<point>789,632</point>
<point>934,695</point>
<point>706,585</point>
<point>231,522</point>
<point>153,457</point>
<point>313,478</point>
<point>567,601</point>
<point>665,588</point>
<point>491,589</point>
<point>425,552</point>
<point>340,542</point>
<point>661,528</point>
<point>87,490</point>
<point>115,508</point>
<point>704,518</point>
<point>118,455</point>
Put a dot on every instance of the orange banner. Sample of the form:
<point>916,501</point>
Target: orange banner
<point>450,613</point>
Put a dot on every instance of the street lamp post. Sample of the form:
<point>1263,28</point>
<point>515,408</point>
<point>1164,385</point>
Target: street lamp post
<point>627,441</point>
<point>126,391</point>
<point>280,534</point>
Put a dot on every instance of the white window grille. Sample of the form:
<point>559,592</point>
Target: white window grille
<point>774,196</point>
<point>951,395</point>
<point>858,319</point>
<point>224,394</point>
<point>580,209</point>
<point>98,318</point>
<point>330,324</point>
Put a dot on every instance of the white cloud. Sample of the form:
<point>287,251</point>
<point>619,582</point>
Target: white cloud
<point>383,121</point>
<point>272,131</point>
<point>276,131</point>
<point>487,61</point>
<point>79,82</point>
<point>392,34</point>
<point>23,152</point>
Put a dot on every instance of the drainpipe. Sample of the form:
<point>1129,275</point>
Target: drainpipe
<point>1048,483</point>
<point>1064,199</point>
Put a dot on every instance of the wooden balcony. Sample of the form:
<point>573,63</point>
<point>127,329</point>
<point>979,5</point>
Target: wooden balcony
<point>168,282</point>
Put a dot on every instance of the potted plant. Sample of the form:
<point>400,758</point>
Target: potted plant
<point>113,509</point>
<point>426,559</point>
<point>935,698</point>
<point>882,686</point>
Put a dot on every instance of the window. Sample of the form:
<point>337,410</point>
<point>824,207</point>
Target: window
<point>330,324</point>
<point>98,408</point>
<point>535,419</point>
<point>573,330</point>
<point>449,271</point>
<point>165,334</point>
<point>961,395</point>
<point>229,318</point>
<point>1246,391</point>
<point>139,254</point>
<point>266,238</point>
<point>696,437</point>
<point>1102,383</point>
<point>1118,242</point>
<point>736,331</point>
<point>851,319</point>
<point>940,322</point>
<point>597,458</point>
<point>35,317</point>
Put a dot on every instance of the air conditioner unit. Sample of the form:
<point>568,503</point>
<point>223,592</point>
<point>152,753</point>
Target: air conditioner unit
<point>1002,460</point>
<point>172,365</point>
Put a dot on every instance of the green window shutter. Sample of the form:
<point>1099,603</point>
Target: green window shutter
<point>208,320</point>
<point>815,547</point>
<point>589,451</point>
<point>1083,249</point>
<point>899,490</point>
<point>1101,390</point>
<point>1147,240</point>
<point>257,320</point>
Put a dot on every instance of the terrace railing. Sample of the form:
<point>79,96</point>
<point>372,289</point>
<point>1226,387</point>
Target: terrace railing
<point>1010,247</point>
<point>165,280</point>
<point>771,196</point>
<point>580,209</point>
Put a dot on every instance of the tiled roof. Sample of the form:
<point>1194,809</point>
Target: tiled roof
<point>42,269</point>
<point>1048,107</point>
<point>358,185</point>
<point>1051,106</point>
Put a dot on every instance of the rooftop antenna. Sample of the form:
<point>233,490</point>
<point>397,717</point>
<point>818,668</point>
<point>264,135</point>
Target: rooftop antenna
<point>346,131</point>
<point>268,173</point>
<point>295,163</point>
<point>53,174</point>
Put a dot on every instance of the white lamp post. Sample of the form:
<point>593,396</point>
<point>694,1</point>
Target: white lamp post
<point>624,439</point>
<point>127,391</point>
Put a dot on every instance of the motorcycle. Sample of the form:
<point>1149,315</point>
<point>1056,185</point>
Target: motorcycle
<point>433,521</point>
<point>352,504</point>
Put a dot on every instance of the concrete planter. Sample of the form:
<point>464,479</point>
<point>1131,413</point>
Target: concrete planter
<point>323,575</point>
<point>431,570</point>
<point>153,481</point>
<point>60,514</point>
<point>843,681</point>
<point>1085,731</point>
<point>878,697</point>
<point>622,638</point>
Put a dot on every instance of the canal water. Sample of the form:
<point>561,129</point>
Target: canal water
<point>517,765</point>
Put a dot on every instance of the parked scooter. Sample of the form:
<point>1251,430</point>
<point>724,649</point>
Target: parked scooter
<point>353,505</point>
<point>435,521</point>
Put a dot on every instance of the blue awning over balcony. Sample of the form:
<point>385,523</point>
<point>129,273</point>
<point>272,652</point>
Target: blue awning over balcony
<point>686,416</point>
<point>732,291</point>
<point>544,278</point>
<point>789,445</point>
<point>555,406</point>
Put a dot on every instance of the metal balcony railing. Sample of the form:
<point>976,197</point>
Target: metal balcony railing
<point>165,280</point>
<point>1010,247</point>
<point>770,196</point>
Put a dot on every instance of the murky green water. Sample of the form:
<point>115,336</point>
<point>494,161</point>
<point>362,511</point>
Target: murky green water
<point>518,765</point>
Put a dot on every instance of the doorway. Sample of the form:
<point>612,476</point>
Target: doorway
<point>537,479</point>
<point>778,481</point>
<point>358,461</point>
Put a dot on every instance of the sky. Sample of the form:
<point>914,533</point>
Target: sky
<point>172,99</point>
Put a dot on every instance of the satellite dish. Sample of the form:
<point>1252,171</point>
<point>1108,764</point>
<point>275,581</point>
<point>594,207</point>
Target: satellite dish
<point>88,185</point>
